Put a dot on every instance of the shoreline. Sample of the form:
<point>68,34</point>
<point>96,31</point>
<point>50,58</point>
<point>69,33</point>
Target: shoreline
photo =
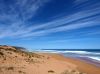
<point>83,66</point>
<point>85,59</point>
<point>90,61</point>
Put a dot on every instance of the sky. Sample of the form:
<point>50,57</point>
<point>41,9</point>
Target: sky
<point>50,24</point>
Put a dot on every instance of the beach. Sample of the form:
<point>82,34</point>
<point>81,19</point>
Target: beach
<point>16,61</point>
<point>82,66</point>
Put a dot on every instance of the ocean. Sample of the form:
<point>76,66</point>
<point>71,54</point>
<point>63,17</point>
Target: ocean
<point>93,54</point>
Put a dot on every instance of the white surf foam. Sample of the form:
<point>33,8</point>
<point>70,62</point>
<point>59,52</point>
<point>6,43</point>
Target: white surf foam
<point>92,55</point>
<point>95,58</point>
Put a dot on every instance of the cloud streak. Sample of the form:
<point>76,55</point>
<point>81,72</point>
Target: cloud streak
<point>20,28</point>
<point>78,20</point>
<point>14,16</point>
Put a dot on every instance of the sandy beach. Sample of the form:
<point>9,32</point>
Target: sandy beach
<point>16,61</point>
<point>82,66</point>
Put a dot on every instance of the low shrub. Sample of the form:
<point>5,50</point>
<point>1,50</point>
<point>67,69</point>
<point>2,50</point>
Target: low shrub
<point>10,68</point>
<point>51,71</point>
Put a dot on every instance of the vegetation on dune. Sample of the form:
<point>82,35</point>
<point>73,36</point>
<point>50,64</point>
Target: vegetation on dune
<point>19,50</point>
<point>72,72</point>
<point>1,53</point>
<point>51,71</point>
<point>28,56</point>
<point>10,68</point>
<point>21,72</point>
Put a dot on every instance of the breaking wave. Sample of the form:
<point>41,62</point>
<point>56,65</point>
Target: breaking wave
<point>88,54</point>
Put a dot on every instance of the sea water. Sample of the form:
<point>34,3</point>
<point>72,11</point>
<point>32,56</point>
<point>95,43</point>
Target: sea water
<point>86,53</point>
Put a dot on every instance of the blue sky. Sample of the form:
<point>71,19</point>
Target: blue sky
<point>52,24</point>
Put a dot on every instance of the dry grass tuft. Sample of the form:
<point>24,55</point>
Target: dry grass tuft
<point>10,68</point>
<point>51,71</point>
<point>72,72</point>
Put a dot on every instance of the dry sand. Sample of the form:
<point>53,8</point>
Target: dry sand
<point>13,61</point>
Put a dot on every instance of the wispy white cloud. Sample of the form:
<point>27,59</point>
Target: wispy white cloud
<point>62,28</point>
<point>78,20</point>
<point>20,9</point>
<point>13,21</point>
<point>18,25</point>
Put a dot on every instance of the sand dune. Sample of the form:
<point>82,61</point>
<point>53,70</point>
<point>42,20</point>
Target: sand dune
<point>17,61</point>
